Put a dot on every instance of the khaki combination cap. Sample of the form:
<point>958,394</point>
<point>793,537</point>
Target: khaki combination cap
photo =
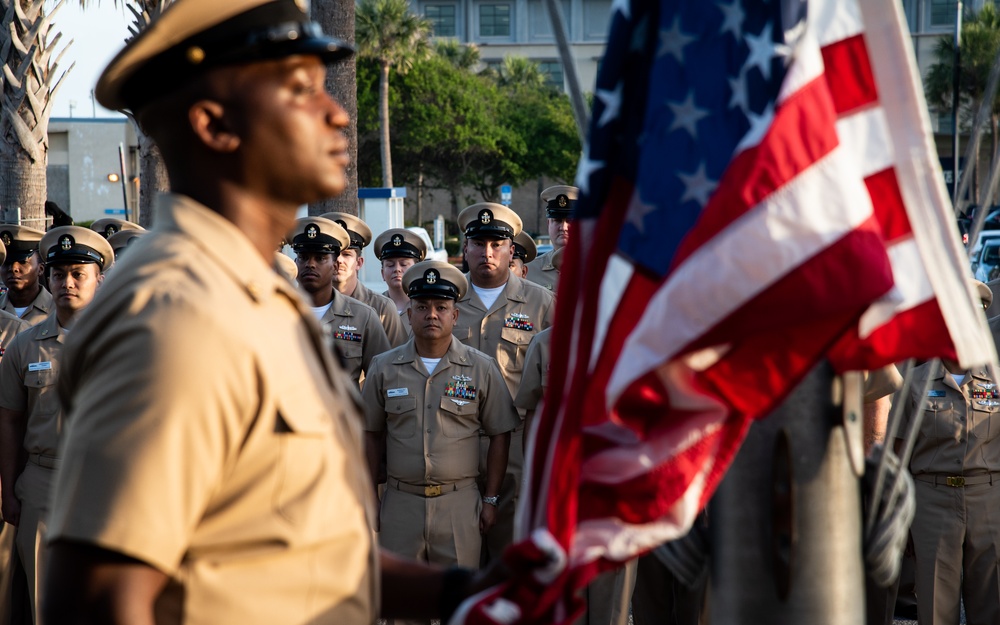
<point>985,293</point>
<point>360,233</point>
<point>121,240</point>
<point>70,245</point>
<point>524,247</point>
<point>110,226</point>
<point>556,257</point>
<point>487,220</point>
<point>319,236</point>
<point>192,36</point>
<point>434,279</point>
<point>560,201</point>
<point>400,243</point>
<point>20,241</point>
<point>286,265</point>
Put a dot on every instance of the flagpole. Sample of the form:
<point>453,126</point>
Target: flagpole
<point>569,69</point>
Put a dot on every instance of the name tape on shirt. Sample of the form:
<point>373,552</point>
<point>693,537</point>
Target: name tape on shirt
<point>40,366</point>
<point>398,392</point>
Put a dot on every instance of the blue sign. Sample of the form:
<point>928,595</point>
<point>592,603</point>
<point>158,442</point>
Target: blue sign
<point>114,211</point>
<point>505,193</point>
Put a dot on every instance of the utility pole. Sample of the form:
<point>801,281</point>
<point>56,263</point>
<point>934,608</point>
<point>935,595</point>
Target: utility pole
<point>955,84</point>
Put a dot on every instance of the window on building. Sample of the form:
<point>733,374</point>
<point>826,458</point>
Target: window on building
<point>442,19</point>
<point>553,73</point>
<point>942,13</point>
<point>494,20</point>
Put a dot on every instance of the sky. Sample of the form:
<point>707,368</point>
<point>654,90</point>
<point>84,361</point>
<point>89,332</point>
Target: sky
<point>98,33</point>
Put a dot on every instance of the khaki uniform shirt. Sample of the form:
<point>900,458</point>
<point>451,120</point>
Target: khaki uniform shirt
<point>960,429</point>
<point>10,326</point>
<point>433,421</point>
<point>522,310</point>
<point>404,319</point>
<point>387,313</point>
<point>36,312</point>
<point>542,272</point>
<point>28,383</point>
<point>210,434</point>
<point>355,333</point>
<point>535,376</point>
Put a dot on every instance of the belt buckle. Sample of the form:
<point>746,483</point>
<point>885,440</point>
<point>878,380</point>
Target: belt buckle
<point>955,481</point>
<point>432,491</point>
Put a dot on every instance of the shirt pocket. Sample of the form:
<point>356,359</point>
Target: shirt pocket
<point>985,420</point>
<point>41,387</point>
<point>350,351</point>
<point>459,418</point>
<point>941,421</point>
<point>512,348</point>
<point>462,334</point>
<point>303,432</point>
<point>401,417</point>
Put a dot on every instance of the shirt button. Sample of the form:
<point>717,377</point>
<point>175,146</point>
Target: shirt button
<point>428,431</point>
<point>428,405</point>
<point>958,461</point>
<point>961,440</point>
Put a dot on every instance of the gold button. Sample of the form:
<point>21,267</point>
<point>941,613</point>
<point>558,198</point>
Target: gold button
<point>195,55</point>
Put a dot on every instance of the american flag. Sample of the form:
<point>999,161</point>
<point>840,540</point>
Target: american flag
<point>758,188</point>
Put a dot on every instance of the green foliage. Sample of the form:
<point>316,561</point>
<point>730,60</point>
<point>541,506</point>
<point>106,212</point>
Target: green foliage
<point>460,129</point>
<point>980,41</point>
<point>386,30</point>
<point>461,55</point>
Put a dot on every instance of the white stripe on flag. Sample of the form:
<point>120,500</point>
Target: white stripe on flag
<point>911,288</point>
<point>865,134</point>
<point>807,215</point>
<point>836,20</point>
<point>617,275</point>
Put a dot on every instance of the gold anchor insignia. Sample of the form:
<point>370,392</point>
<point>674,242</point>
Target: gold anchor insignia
<point>110,230</point>
<point>66,242</point>
<point>485,217</point>
<point>431,277</point>
<point>397,240</point>
<point>563,201</point>
<point>6,238</point>
<point>311,231</point>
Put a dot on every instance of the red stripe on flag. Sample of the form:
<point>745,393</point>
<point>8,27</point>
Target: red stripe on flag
<point>849,74</point>
<point>803,132</point>
<point>887,203</point>
<point>915,332</point>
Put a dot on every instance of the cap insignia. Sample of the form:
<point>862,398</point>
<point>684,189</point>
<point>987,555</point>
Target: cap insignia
<point>431,277</point>
<point>111,229</point>
<point>397,240</point>
<point>342,223</point>
<point>312,231</point>
<point>6,238</point>
<point>195,55</point>
<point>562,201</point>
<point>66,242</point>
<point>485,216</point>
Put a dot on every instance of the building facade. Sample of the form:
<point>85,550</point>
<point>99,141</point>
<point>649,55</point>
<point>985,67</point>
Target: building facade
<point>85,175</point>
<point>523,28</point>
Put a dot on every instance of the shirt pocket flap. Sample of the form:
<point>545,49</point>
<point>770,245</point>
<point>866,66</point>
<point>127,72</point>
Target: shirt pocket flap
<point>462,334</point>
<point>515,336</point>
<point>40,379</point>
<point>463,407</point>
<point>399,405</point>
<point>303,416</point>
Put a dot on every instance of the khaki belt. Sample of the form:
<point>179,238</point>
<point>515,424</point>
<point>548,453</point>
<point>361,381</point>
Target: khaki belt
<point>957,481</point>
<point>431,491</point>
<point>49,462</point>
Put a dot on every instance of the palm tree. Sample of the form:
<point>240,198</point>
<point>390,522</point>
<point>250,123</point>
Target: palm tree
<point>28,86</point>
<point>388,33</point>
<point>518,70</point>
<point>461,55</point>
<point>337,19</point>
<point>153,178</point>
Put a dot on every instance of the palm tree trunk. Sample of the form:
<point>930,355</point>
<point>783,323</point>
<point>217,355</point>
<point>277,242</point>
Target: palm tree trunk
<point>337,19</point>
<point>22,187</point>
<point>383,101</point>
<point>152,177</point>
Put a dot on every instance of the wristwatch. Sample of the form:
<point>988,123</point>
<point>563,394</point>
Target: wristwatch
<point>493,501</point>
